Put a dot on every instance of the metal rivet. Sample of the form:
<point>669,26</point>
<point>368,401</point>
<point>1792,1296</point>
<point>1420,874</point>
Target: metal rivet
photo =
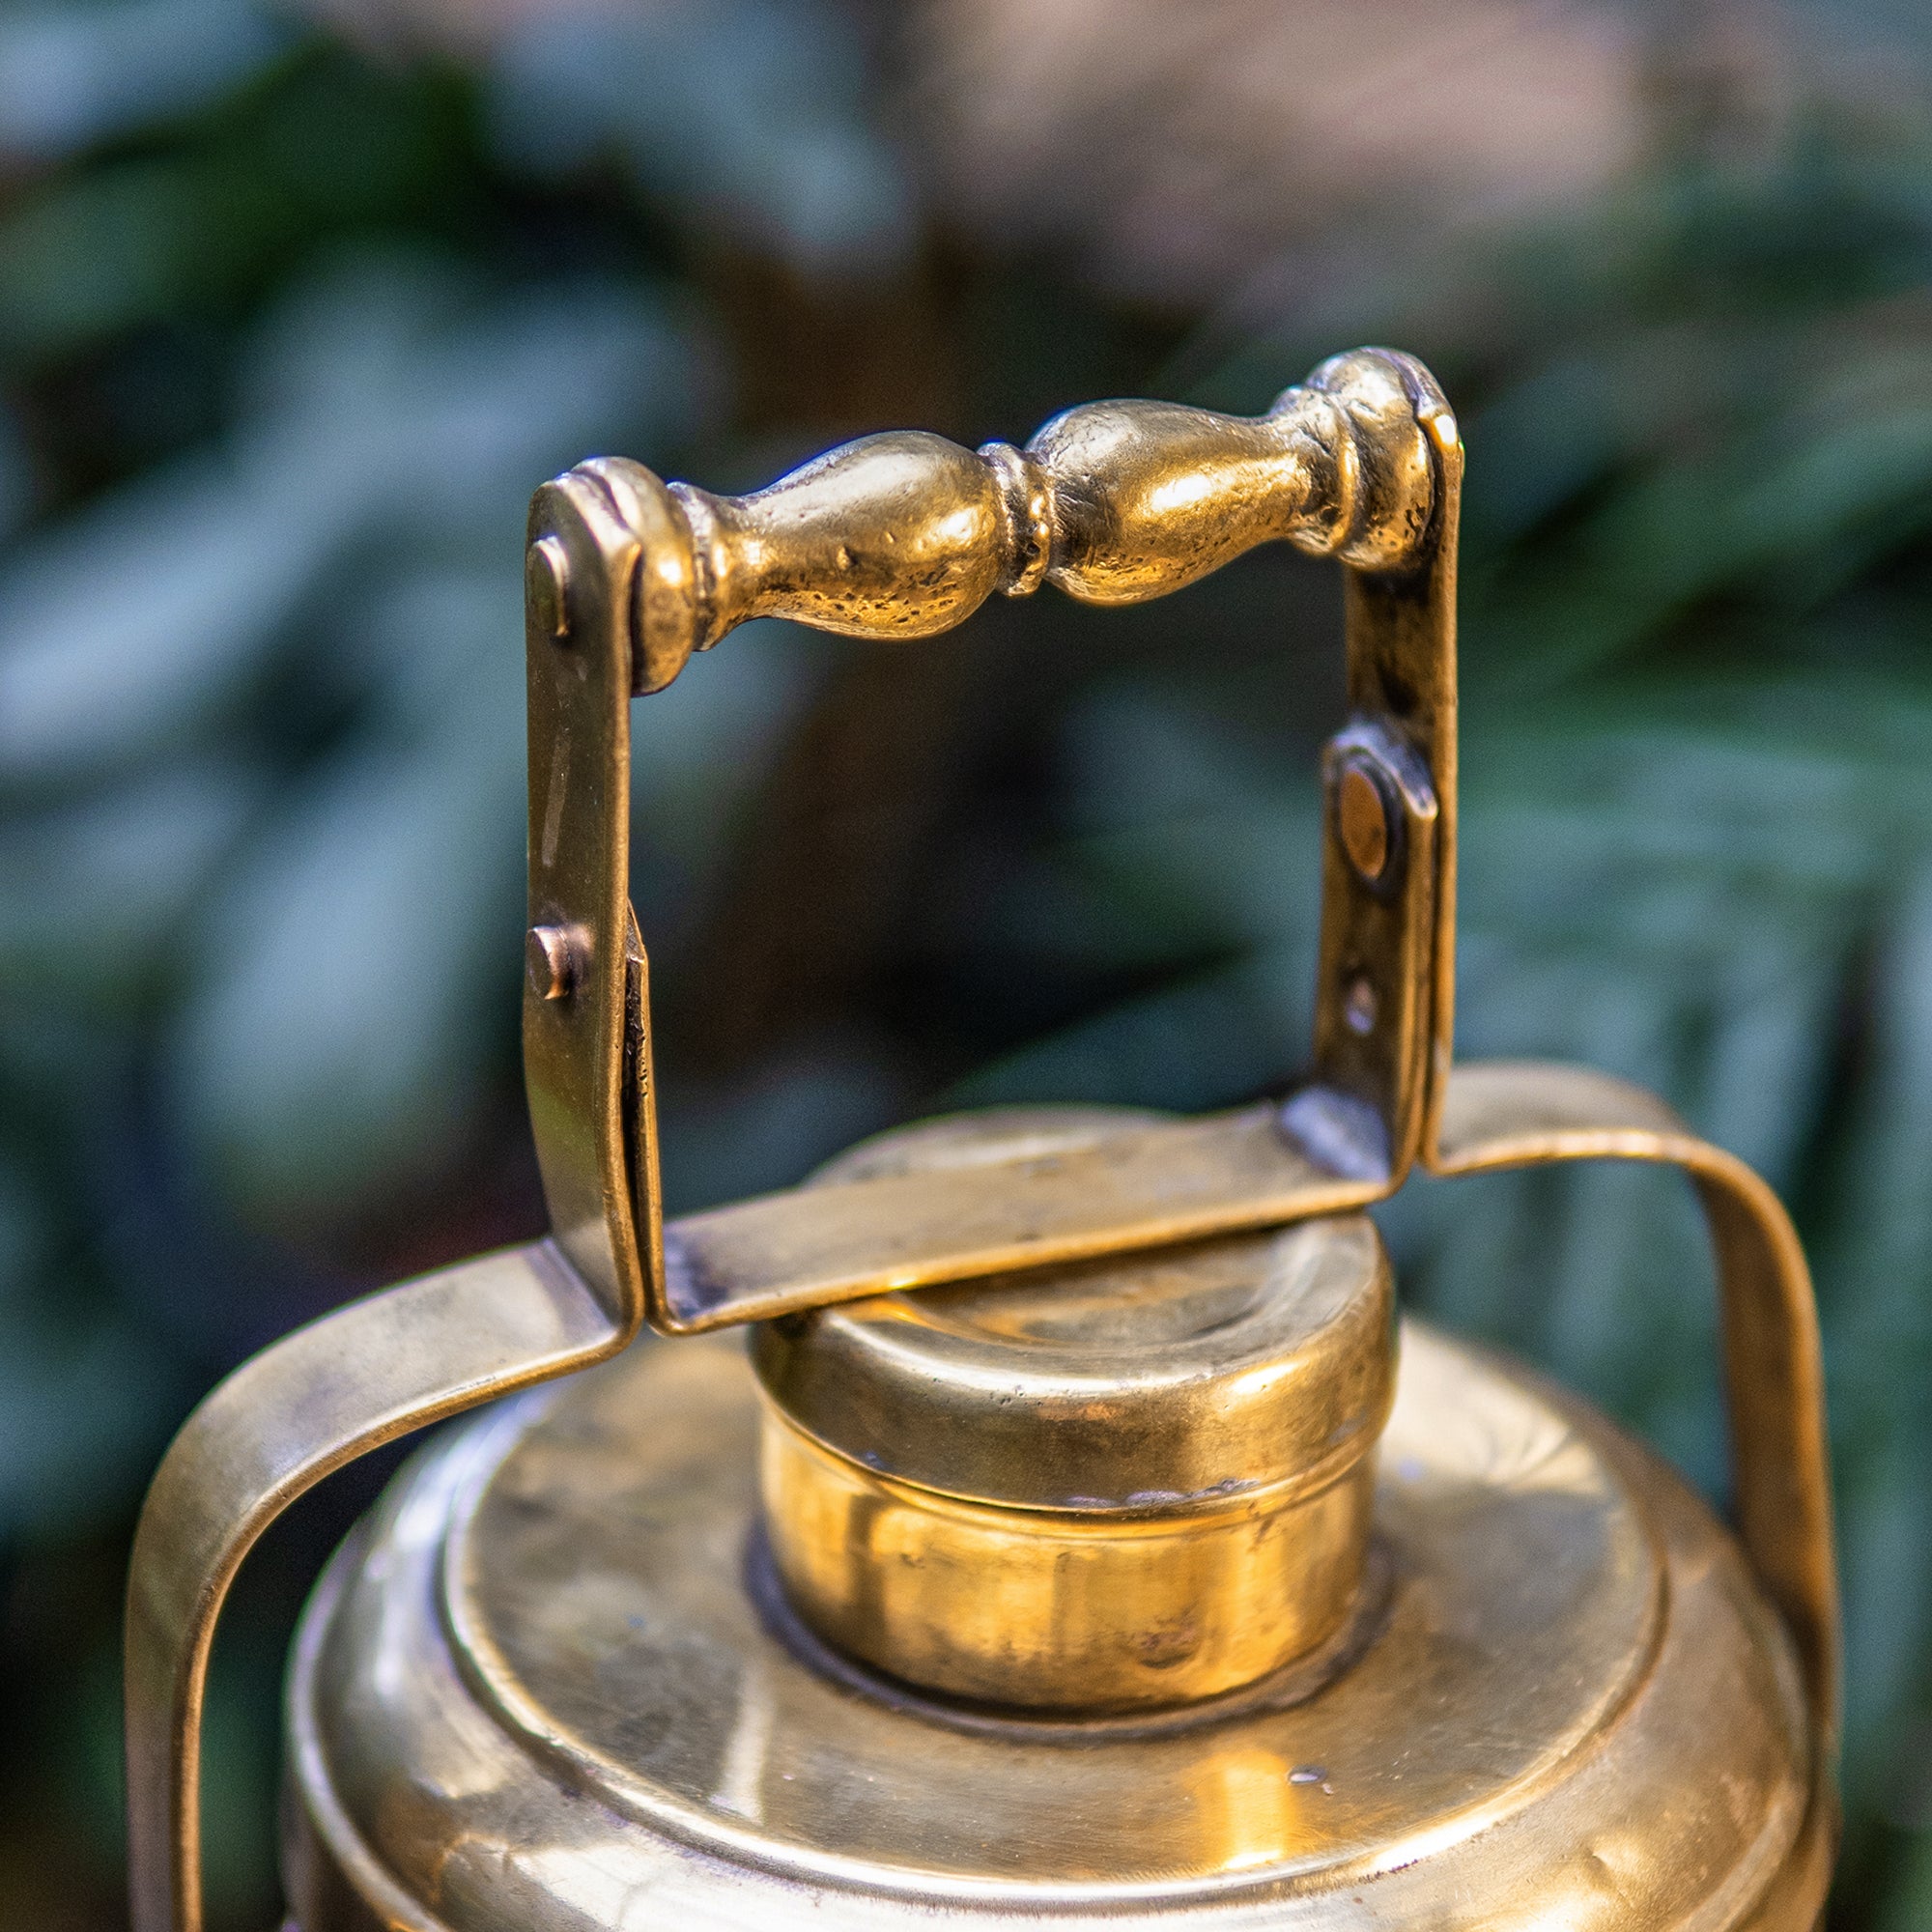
<point>546,585</point>
<point>1362,817</point>
<point>551,960</point>
<point>1359,1005</point>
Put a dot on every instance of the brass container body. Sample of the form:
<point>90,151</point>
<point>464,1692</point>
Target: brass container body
<point>544,1689</point>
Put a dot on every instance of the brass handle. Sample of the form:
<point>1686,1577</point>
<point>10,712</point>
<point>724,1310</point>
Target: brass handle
<point>903,535</point>
<point>906,535</point>
<point>898,536</point>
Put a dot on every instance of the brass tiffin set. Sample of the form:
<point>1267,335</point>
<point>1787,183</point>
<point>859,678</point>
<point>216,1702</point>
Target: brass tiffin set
<point>1080,1539</point>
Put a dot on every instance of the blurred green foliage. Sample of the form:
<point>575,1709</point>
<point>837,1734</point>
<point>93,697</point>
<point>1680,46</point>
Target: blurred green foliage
<point>288,333</point>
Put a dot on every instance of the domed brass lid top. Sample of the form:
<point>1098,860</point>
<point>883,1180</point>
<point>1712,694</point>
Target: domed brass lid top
<point>1184,1375</point>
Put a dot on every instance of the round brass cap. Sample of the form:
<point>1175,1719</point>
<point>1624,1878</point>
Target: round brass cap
<point>1137,1481</point>
<point>1186,1374</point>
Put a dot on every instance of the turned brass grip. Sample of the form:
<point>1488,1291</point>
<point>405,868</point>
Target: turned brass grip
<point>906,535</point>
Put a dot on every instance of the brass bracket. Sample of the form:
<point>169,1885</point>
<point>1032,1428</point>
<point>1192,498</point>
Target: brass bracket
<point>586,1000</point>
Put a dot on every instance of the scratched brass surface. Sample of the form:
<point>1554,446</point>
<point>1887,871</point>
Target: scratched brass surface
<point>586,1065</point>
<point>1160,1180</point>
<point>1179,1376</point>
<point>625,577</point>
<point>537,1693</point>
<point>1119,1485</point>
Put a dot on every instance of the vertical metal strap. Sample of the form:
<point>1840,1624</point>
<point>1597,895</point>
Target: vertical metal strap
<point>431,1348</point>
<point>1506,1113</point>
<point>296,1413</point>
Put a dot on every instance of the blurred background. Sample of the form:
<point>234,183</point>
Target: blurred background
<point>296,307</point>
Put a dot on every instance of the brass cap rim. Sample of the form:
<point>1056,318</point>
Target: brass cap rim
<point>1188,1379</point>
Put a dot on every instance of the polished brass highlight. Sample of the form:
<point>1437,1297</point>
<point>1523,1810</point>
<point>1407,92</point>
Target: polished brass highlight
<point>551,959</point>
<point>560,1609</point>
<point>905,535</point>
<point>1088,1612</point>
<point>1363,819</point>
<point>547,587</point>
<point>1182,1373</point>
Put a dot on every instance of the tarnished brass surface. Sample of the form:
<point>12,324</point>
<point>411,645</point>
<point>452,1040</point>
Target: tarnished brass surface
<point>298,1411</point>
<point>1161,1182</point>
<point>1122,1484</point>
<point>537,1693</point>
<point>1525,1113</point>
<point>587,1051</point>
<point>626,576</point>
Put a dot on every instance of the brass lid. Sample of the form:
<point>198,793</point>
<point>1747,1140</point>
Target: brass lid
<point>1184,1375</point>
<point>536,1691</point>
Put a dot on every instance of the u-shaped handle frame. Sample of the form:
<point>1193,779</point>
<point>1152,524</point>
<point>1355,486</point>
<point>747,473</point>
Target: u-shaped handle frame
<point>904,535</point>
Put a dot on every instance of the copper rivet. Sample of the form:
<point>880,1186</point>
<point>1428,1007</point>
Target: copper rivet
<point>549,960</point>
<point>546,585</point>
<point>1363,819</point>
<point>1359,1005</point>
